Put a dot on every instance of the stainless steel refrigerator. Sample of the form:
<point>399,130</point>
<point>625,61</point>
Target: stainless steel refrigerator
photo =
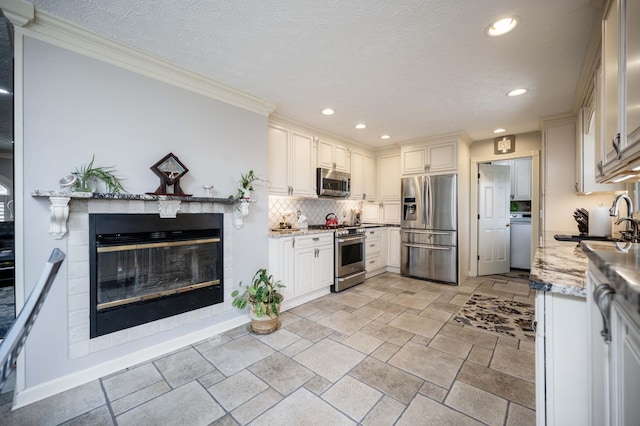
<point>429,247</point>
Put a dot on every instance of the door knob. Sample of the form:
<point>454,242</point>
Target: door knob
<point>508,225</point>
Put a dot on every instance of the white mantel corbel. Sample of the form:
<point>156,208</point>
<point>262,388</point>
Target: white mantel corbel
<point>59,214</point>
<point>168,208</point>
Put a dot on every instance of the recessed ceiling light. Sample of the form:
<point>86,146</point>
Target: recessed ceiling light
<point>500,130</point>
<point>385,137</point>
<point>361,126</point>
<point>328,111</point>
<point>502,26</point>
<point>517,92</point>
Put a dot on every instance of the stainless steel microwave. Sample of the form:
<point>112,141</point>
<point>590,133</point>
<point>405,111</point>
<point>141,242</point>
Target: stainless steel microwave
<point>330,183</point>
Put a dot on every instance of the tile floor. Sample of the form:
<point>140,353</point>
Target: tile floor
<point>382,353</point>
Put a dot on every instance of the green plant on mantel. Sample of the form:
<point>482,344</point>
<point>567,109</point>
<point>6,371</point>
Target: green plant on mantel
<point>88,172</point>
<point>246,186</point>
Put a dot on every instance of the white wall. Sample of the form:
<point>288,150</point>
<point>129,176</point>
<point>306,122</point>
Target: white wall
<point>75,107</point>
<point>560,198</point>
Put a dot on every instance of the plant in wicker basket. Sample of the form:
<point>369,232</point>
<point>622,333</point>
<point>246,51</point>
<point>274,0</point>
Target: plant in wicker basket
<point>263,299</point>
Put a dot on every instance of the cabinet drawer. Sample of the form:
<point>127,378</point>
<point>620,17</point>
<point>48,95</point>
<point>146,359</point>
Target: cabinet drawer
<point>372,263</point>
<point>373,233</point>
<point>372,247</point>
<point>314,240</point>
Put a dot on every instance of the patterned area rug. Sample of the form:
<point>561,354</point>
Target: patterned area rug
<point>7,309</point>
<point>505,317</point>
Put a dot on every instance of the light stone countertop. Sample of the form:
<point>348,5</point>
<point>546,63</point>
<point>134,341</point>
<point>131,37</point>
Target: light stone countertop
<point>559,267</point>
<point>297,232</point>
<point>620,264</point>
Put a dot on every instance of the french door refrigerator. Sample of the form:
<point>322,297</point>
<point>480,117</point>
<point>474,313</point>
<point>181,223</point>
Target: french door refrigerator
<point>429,228</point>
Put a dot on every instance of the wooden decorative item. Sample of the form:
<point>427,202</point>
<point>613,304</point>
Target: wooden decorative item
<point>170,170</point>
<point>504,144</point>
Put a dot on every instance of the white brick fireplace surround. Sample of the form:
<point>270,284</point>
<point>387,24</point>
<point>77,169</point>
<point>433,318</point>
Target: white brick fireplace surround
<point>80,344</point>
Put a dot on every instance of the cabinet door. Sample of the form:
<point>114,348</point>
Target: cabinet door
<point>389,177</point>
<point>281,264</point>
<point>597,358</point>
<point>610,95</point>
<point>278,160</point>
<point>341,158</point>
<point>323,267</point>
<point>304,263</point>
<point>625,365</point>
<point>357,176</point>
<point>371,213</point>
<point>325,154</point>
<point>393,248</point>
<point>632,72</point>
<point>442,158</point>
<point>369,177</point>
<point>521,178</point>
<point>414,160</point>
<point>302,171</point>
<point>391,213</point>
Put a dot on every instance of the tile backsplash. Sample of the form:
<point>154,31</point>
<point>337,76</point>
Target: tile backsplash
<point>315,209</point>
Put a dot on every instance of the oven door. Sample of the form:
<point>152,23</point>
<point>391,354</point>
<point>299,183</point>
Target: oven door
<point>349,255</point>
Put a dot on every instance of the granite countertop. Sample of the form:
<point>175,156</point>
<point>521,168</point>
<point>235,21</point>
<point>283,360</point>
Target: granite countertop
<point>620,264</point>
<point>296,232</point>
<point>559,267</point>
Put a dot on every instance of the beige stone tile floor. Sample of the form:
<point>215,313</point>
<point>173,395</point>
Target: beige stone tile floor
<point>386,352</point>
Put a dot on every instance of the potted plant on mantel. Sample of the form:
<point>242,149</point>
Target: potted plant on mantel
<point>246,186</point>
<point>88,174</point>
<point>263,299</point>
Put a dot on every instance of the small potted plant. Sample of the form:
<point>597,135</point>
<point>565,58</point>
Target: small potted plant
<point>246,186</point>
<point>88,174</point>
<point>263,299</point>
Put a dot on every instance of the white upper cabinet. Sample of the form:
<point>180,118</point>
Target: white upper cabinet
<point>618,142</point>
<point>389,177</point>
<point>520,172</point>
<point>333,156</point>
<point>291,162</point>
<point>429,158</point>
<point>521,178</point>
<point>362,176</point>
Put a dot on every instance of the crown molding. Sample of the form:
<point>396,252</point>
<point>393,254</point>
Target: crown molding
<point>58,32</point>
<point>19,12</point>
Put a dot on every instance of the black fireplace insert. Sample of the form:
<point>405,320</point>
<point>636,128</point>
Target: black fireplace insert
<point>145,268</point>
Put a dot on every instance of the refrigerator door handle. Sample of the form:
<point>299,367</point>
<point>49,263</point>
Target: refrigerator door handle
<point>426,184</point>
<point>414,231</point>
<point>424,246</point>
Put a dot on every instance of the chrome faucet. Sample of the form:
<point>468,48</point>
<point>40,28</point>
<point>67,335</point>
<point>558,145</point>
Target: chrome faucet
<point>627,235</point>
<point>613,211</point>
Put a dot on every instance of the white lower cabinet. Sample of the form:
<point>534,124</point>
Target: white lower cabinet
<point>561,359</point>
<point>393,250</point>
<point>375,251</point>
<point>614,367</point>
<point>304,264</point>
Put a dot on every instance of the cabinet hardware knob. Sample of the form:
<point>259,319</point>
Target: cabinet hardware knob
<point>316,239</point>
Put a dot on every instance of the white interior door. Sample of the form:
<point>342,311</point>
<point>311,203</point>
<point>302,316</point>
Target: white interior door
<point>493,219</point>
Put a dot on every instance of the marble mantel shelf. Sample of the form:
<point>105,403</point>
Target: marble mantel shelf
<point>168,205</point>
<point>141,197</point>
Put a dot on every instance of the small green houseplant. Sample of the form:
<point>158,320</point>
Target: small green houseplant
<point>246,186</point>
<point>263,299</point>
<point>88,172</point>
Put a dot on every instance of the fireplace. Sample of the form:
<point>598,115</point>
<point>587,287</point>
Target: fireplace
<point>144,268</point>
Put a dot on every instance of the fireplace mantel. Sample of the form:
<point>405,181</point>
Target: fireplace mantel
<point>168,205</point>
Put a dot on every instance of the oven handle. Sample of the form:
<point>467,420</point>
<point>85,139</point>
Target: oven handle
<point>422,246</point>
<point>348,240</point>
<point>352,276</point>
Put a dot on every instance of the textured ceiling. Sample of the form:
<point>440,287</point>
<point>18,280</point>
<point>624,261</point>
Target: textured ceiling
<point>409,68</point>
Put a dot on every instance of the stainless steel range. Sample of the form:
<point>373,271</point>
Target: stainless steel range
<point>349,260</point>
<point>349,255</point>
